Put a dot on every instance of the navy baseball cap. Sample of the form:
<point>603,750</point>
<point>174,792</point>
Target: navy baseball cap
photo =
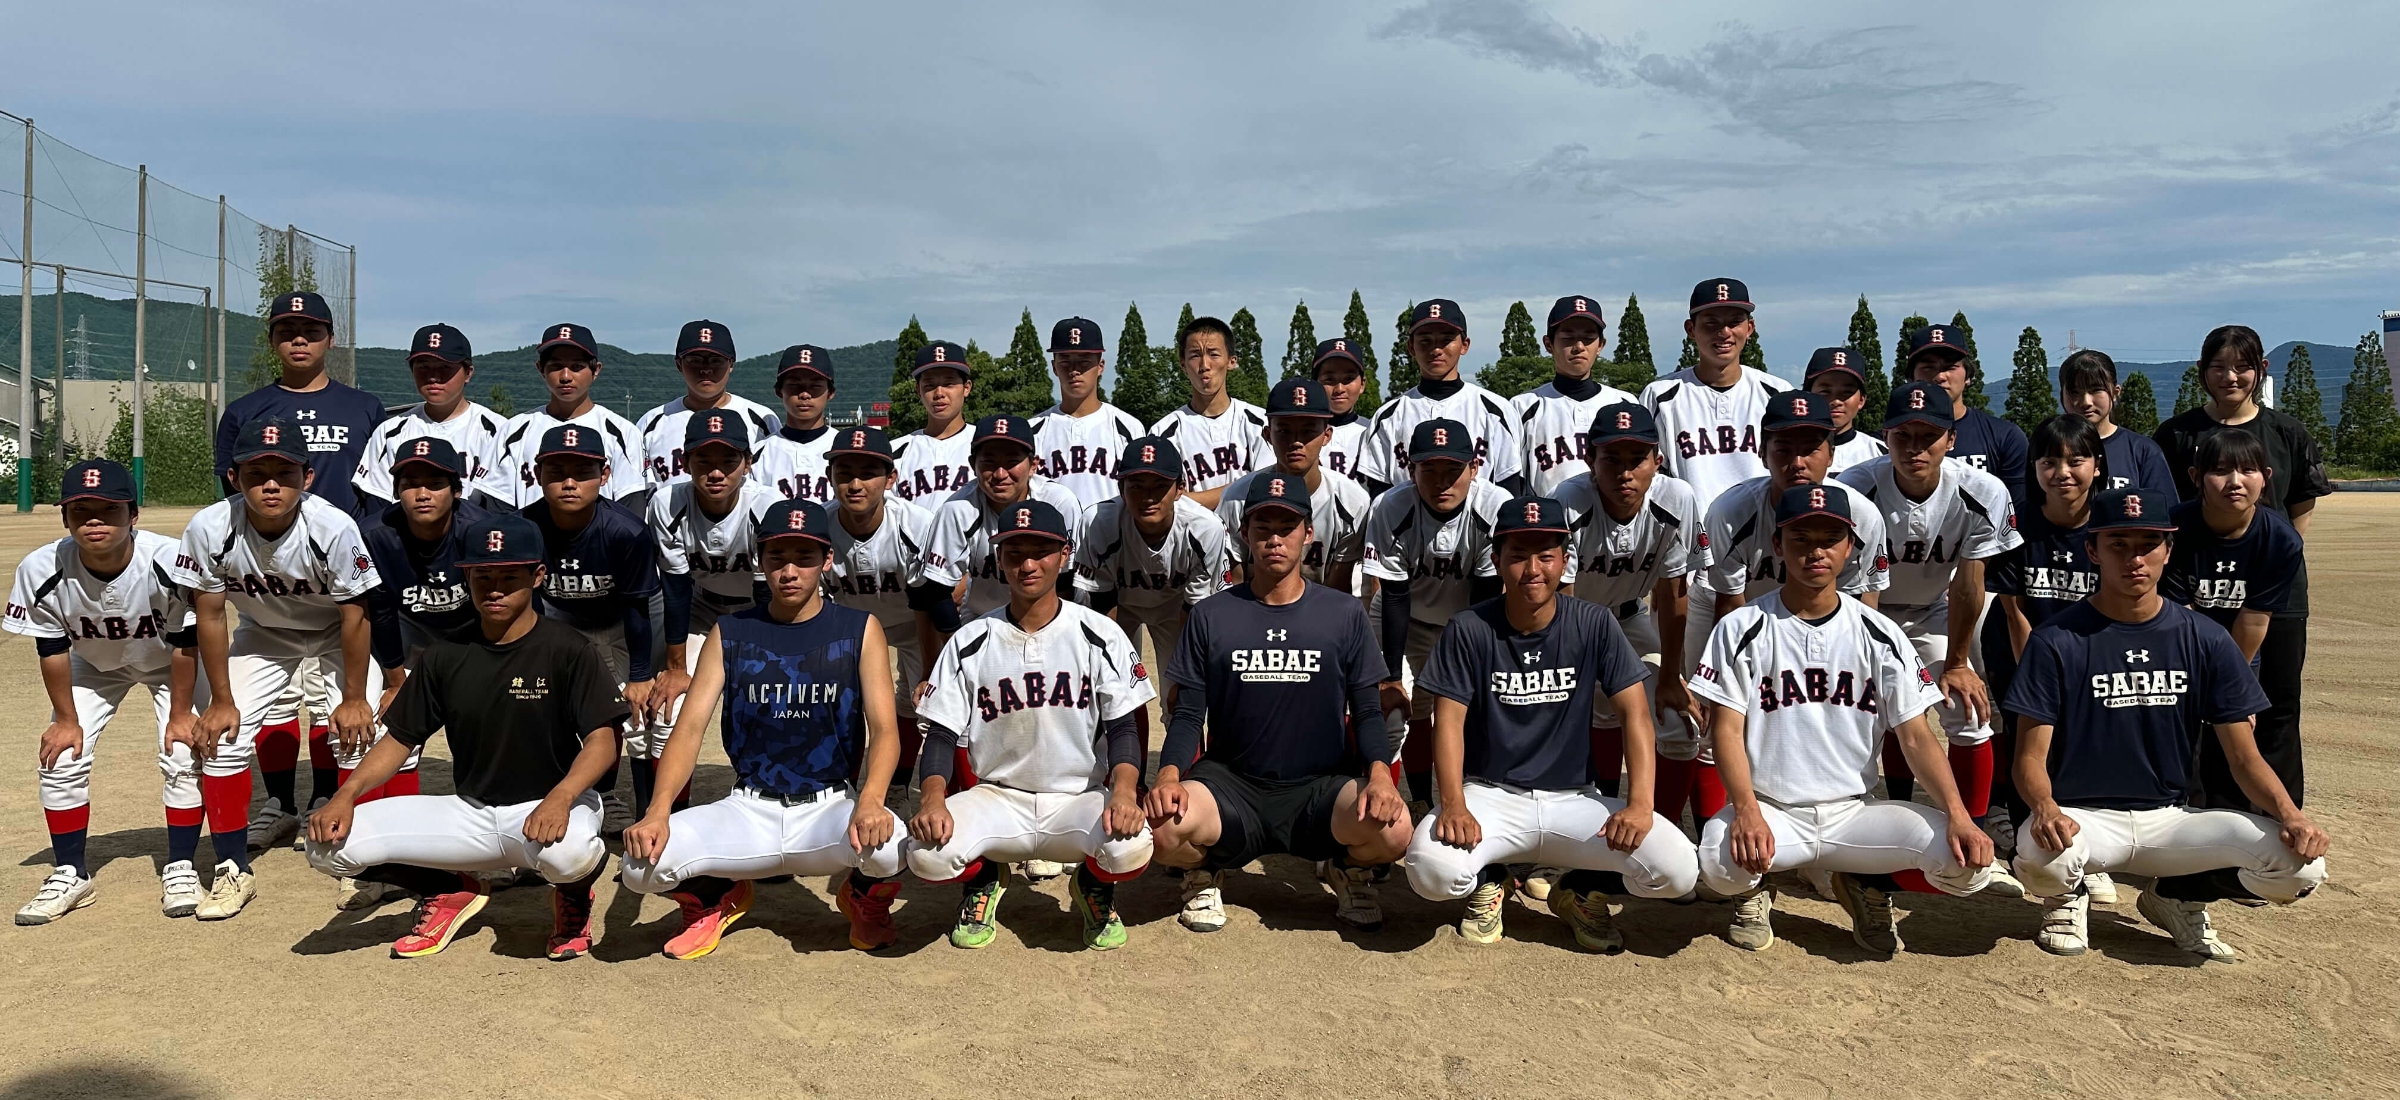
<point>804,357</point>
<point>1837,360</point>
<point>863,440</point>
<point>1437,311</point>
<point>1531,514</point>
<point>1031,519</point>
<point>568,335</point>
<point>2131,509</point>
<point>1075,334</point>
<point>795,519</point>
<point>942,353</point>
<point>1336,348</point>
<point>1623,420</point>
<point>726,426</point>
<point>1298,397</point>
<point>1270,489</point>
<point>1945,337</point>
<point>1923,402</point>
<point>430,450</point>
<point>704,335</point>
<point>1576,306</point>
<point>572,439</point>
<point>270,435</point>
<point>96,479</point>
<point>1005,427</point>
<point>1802,501</point>
<point>500,538</point>
<point>1439,438</point>
<point>1711,293</point>
<point>1151,455</point>
<point>301,303</point>
<point>1791,409</point>
<point>441,342</point>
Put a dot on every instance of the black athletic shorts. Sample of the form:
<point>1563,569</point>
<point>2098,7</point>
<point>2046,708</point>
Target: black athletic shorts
<point>1259,817</point>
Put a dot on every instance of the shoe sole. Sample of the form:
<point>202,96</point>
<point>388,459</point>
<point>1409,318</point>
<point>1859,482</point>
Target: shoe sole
<point>179,910</point>
<point>723,927</point>
<point>36,920</point>
<point>569,954</point>
<point>1492,936</point>
<point>1202,927</point>
<point>973,944</point>
<point>2062,951</point>
<point>448,933</point>
<point>2004,886</point>
<point>202,913</point>
<point>841,901</point>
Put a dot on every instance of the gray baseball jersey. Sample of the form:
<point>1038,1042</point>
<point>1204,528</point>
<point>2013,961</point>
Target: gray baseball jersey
<point>1618,562</point>
<point>1741,541</point>
<point>961,543</point>
<point>874,573</point>
<point>1968,515</point>
<point>927,470</point>
<point>1440,558</point>
<point>1337,510</point>
<point>796,467</point>
<point>1186,566</point>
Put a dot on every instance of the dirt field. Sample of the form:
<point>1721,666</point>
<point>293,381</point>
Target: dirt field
<point>295,999</point>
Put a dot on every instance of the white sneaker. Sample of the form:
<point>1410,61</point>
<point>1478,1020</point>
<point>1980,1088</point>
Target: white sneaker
<point>2003,831</point>
<point>1039,869</point>
<point>232,889</point>
<point>352,895</point>
<point>62,893</point>
<point>2188,922</point>
<point>1355,899</point>
<point>300,837</point>
<point>1203,900</point>
<point>179,889</point>
<point>2002,884</point>
<point>1753,925</point>
<point>272,826</point>
<point>1482,922</point>
<point>2100,888</point>
<point>1536,884</point>
<point>2065,925</point>
<point>616,813</point>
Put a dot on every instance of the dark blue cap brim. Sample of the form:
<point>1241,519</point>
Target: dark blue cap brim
<point>1597,439</point>
<point>122,496</point>
<point>240,457</point>
<point>1947,424</point>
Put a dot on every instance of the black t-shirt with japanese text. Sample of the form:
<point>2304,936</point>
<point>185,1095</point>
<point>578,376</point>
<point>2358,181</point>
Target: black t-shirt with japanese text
<point>516,714</point>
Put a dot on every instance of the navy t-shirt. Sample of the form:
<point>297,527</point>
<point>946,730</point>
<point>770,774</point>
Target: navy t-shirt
<point>598,572</point>
<point>1278,681</point>
<point>422,582</point>
<point>2134,461</point>
<point>2221,577</point>
<point>1993,446</point>
<point>335,421</point>
<point>795,722</point>
<point>2127,703</point>
<point>1529,696</point>
<point>2048,573</point>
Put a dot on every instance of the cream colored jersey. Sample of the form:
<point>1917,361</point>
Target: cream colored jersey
<point>1741,541</point>
<point>960,545</point>
<point>617,435</point>
<point>1217,449</point>
<point>1552,431</point>
<point>927,470</point>
<point>1338,509</point>
<point>1031,707</point>
<point>1080,452</point>
<point>1967,516</point>
<point>1709,438</point>
<point>720,554</point>
<point>119,622</point>
<point>1384,456</point>
<point>1185,567</point>
<point>296,581</point>
<point>477,432</point>
<point>662,436</point>
<point>1615,563</point>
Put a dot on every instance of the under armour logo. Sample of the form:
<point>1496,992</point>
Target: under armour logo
<point>2062,557</point>
<point>570,563</point>
<point>305,414</point>
<point>1278,635</point>
<point>1531,657</point>
<point>2225,567</point>
<point>2138,655</point>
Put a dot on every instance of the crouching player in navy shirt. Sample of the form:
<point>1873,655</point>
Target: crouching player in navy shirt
<point>1512,752</point>
<point>807,686</point>
<point>2111,699</point>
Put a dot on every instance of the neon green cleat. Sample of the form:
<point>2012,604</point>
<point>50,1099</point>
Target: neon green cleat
<point>979,911</point>
<point>1096,903</point>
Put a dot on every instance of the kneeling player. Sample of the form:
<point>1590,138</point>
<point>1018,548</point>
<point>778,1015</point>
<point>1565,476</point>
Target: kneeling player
<point>1514,680</point>
<point>1041,694</point>
<point>2110,697</point>
<point>532,714</point>
<point>810,695</point>
<point>1806,680</point>
<point>1282,670</point>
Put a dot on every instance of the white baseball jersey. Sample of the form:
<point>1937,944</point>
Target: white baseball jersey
<point>121,622</point>
<point>1968,515</point>
<point>1217,449</point>
<point>1337,513</point>
<point>1741,541</point>
<point>961,542</point>
<point>719,554</point>
<point>1615,562</point>
<point>1030,708</point>
<point>1439,558</point>
<point>1551,433</point>
<point>523,443</point>
<point>1384,455</point>
<point>1818,697</point>
<point>928,470</point>
<point>1709,438</point>
<point>873,574</point>
<point>1186,567</point>
<point>662,435</point>
<point>1854,452</point>
<point>294,582</point>
<point>1080,452</point>
<point>477,432</point>
<point>1341,452</point>
<point>796,468</point>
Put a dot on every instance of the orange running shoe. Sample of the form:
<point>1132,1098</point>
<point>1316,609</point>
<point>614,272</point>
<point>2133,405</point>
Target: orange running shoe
<point>870,912</point>
<point>439,918</point>
<point>704,925</point>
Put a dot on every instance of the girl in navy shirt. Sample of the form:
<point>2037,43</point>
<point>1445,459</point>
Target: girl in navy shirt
<point>2049,573</point>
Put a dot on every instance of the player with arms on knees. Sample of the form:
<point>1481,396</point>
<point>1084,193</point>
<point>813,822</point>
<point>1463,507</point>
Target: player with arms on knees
<point>2087,387</point>
<point>1299,418</point>
<point>2112,697</point>
<point>962,547</point>
<point>1221,436</point>
<point>1078,441</point>
<point>809,730</point>
<point>1514,680</point>
<point>706,530</point>
<point>792,461</point>
<point>109,609</point>
<point>1805,682</point>
<point>1148,555</point>
<point>937,460</point>
<point>877,565</point>
<point>531,713</point>
<point>704,355</point>
<point>442,363</point>
<point>1040,694</point>
<point>1339,369</point>
<point>1835,373</point>
<point>1280,670</point>
<point>568,360</point>
<point>1437,337</point>
<point>1552,418</point>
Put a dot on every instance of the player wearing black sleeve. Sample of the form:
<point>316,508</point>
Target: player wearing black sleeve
<point>1938,354</point>
<point>415,545</point>
<point>1282,670</point>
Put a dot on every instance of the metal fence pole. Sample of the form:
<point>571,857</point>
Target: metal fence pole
<point>352,320</point>
<point>220,402</point>
<point>141,309</point>
<point>25,341</point>
<point>58,379</point>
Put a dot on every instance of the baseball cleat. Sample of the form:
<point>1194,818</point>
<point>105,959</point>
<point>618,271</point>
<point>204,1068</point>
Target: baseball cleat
<point>274,825</point>
<point>570,924</point>
<point>1753,921</point>
<point>179,889</point>
<point>1355,899</point>
<point>870,912</point>
<point>1537,883</point>
<point>439,919</point>
<point>1096,903</point>
<point>231,889</point>
<point>1872,923</point>
<point>1482,922</point>
<point>2003,832</point>
<point>300,835</point>
<point>350,895</point>
<point>979,911</point>
<point>2065,928</point>
<point>2003,884</point>
<point>62,893</point>
<point>705,925</point>
<point>1203,900</point>
<point>1587,914</point>
<point>1037,870</point>
<point>2100,887</point>
<point>2188,922</point>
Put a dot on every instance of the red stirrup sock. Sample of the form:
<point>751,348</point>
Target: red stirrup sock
<point>1972,766</point>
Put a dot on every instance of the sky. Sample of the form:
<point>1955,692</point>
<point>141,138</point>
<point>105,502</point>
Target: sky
<point>2134,172</point>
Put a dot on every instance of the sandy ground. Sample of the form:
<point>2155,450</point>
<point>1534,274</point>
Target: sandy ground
<point>293,998</point>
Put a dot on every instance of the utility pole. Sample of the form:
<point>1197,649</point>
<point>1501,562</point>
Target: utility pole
<point>58,377</point>
<point>25,341</point>
<point>141,316</point>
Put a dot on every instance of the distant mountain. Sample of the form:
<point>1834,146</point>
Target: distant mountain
<point>2332,363</point>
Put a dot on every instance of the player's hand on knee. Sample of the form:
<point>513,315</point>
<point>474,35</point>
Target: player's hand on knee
<point>217,725</point>
<point>2303,837</point>
<point>1456,827</point>
<point>1753,843</point>
<point>669,687</point>
<point>60,740</point>
<point>1673,696</point>
<point>2053,829</point>
<point>932,824</point>
<point>1962,688</point>
<point>1164,803</point>
<point>1968,843</point>
<point>1123,816</point>
<point>870,827</point>
<point>1393,696</point>
<point>637,697</point>
<point>646,840</point>
<point>1379,801</point>
<point>354,725</point>
<point>1628,828</point>
<point>548,821</point>
<point>330,824</point>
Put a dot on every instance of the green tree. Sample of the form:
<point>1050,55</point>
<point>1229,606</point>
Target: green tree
<point>986,372</point>
<point>1300,350</point>
<point>1864,340</point>
<point>1632,367</point>
<point>2369,434</point>
<point>1360,331</point>
<point>1516,374</point>
<point>1146,376</point>
<point>2190,394</point>
<point>2137,405</point>
<point>2303,400</point>
<point>2030,398</point>
<point>1019,381</point>
<point>500,401</point>
<point>1976,398</point>
<point>277,276</point>
<point>1910,326</point>
<point>1754,353</point>
<point>1404,362</point>
<point>908,414</point>
<point>1517,338</point>
<point>1249,379</point>
<point>1689,357</point>
<point>178,446</point>
<point>1179,387</point>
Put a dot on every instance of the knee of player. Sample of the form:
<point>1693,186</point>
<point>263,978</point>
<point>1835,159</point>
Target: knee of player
<point>1439,879</point>
<point>935,865</point>
<point>573,858</point>
<point>1387,844</point>
<point>1121,855</point>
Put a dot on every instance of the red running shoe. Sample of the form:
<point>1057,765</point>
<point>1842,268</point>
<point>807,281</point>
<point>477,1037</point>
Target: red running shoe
<point>438,920</point>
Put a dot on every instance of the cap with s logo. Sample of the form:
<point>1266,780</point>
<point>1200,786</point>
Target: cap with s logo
<point>441,342</point>
<point>1441,438</point>
<point>1270,489</point>
<point>863,440</point>
<point>1711,293</point>
<point>795,519</point>
<point>500,538</point>
<point>1075,334</point>
<point>1437,313</point>
<point>1623,420</point>
<point>942,354</point>
<point>1298,396</point>
<point>804,359</point>
<point>430,450</point>
<point>1530,514</point>
<point>1030,519</point>
<point>579,440</point>
<point>1942,338</point>
<point>1920,402</point>
<point>719,426</point>
<point>270,435</point>
<point>96,479</point>
<point>567,334</point>
<point>1004,428</point>
<point>1150,455</point>
<point>1794,409</point>
<point>306,304</point>
<point>1803,501</point>
<point>1838,361</point>
<point>2131,509</point>
<point>1336,348</point>
<point>1576,305</point>
<point>704,335</point>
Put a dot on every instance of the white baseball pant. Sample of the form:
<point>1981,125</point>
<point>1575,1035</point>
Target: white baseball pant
<point>1163,623</point>
<point>449,832</point>
<point>308,688</point>
<point>1642,632</point>
<point>1862,836</point>
<point>638,743</point>
<point>67,783</point>
<point>1551,829</point>
<point>263,664</point>
<point>651,743</point>
<point>902,638</point>
<point>2168,841</point>
<point>1005,825</point>
<point>750,836</point>
<point>1928,628</point>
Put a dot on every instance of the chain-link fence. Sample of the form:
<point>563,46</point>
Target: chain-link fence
<point>124,268</point>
